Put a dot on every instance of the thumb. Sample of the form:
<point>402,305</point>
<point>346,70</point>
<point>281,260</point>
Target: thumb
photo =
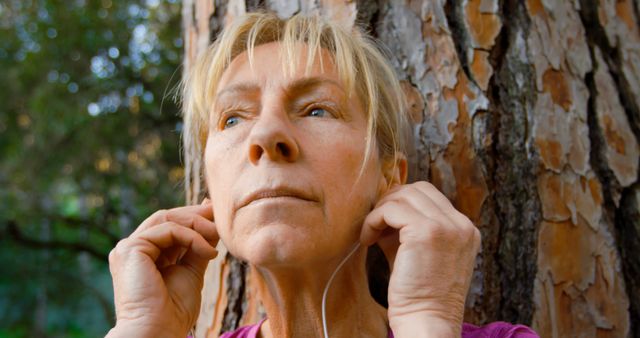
<point>389,242</point>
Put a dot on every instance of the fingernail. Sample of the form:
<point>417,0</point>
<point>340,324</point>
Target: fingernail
<point>205,200</point>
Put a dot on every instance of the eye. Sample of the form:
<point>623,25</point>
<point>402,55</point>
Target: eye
<point>318,112</point>
<point>231,121</point>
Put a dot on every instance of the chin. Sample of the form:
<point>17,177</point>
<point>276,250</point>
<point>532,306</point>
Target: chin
<point>277,244</point>
<point>276,234</point>
<point>286,236</point>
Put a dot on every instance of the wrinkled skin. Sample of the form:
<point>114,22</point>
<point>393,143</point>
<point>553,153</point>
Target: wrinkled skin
<point>283,161</point>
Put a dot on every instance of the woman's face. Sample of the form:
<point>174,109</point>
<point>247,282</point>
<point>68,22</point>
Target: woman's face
<point>283,158</point>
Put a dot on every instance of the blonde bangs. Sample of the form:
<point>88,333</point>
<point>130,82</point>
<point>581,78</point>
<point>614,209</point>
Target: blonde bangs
<point>360,65</point>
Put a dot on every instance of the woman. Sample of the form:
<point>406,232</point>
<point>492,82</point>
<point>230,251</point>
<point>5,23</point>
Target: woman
<point>300,126</point>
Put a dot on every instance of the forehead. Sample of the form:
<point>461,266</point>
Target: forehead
<point>272,67</point>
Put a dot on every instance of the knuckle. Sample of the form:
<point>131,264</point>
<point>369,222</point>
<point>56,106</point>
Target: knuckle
<point>424,185</point>
<point>415,189</point>
<point>477,237</point>
<point>119,249</point>
<point>112,256</point>
<point>465,222</point>
<point>469,229</point>
<point>433,232</point>
<point>471,235</point>
<point>185,219</point>
<point>420,184</point>
<point>169,225</point>
<point>160,215</point>
<point>419,237</point>
<point>114,261</point>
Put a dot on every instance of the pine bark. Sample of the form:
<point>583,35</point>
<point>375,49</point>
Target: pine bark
<point>527,116</point>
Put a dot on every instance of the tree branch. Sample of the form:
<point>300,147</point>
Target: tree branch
<point>13,231</point>
<point>79,222</point>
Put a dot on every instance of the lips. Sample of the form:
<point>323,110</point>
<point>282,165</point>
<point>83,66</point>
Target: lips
<point>275,193</point>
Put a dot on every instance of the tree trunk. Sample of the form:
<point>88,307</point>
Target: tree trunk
<point>527,116</point>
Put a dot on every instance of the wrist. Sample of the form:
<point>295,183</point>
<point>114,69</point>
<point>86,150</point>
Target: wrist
<point>422,324</point>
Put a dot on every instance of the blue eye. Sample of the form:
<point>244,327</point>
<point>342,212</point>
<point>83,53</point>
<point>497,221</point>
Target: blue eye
<point>231,121</point>
<point>318,112</point>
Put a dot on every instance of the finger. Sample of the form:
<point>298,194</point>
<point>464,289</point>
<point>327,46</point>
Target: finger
<point>193,221</point>
<point>417,196</point>
<point>198,223</point>
<point>162,261</point>
<point>187,286</point>
<point>399,214</point>
<point>392,214</point>
<point>195,262</point>
<point>436,195</point>
<point>446,206</point>
<point>196,266</point>
<point>385,225</point>
<point>389,242</point>
<point>391,192</point>
<point>170,256</point>
<point>157,239</point>
<point>423,200</point>
<point>204,210</point>
<point>372,226</point>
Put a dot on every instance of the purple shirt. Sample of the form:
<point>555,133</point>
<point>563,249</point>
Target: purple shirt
<point>492,330</point>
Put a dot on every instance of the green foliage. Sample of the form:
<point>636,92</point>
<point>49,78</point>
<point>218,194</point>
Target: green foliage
<point>89,146</point>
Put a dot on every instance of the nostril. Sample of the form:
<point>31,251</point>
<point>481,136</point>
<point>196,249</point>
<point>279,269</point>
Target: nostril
<point>283,149</point>
<point>256,153</point>
<point>272,144</point>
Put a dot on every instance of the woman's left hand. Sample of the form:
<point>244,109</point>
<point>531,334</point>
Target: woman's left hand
<point>431,249</point>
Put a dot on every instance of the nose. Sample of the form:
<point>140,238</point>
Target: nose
<point>271,137</point>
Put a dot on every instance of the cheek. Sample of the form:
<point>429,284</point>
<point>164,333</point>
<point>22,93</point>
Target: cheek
<point>221,154</point>
<point>333,146</point>
<point>219,180</point>
<point>222,211</point>
<point>341,158</point>
<point>338,159</point>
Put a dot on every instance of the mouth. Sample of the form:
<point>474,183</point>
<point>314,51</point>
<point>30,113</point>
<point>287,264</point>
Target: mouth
<point>276,193</point>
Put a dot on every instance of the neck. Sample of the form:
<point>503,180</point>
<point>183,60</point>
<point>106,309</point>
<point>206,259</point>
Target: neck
<point>292,297</point>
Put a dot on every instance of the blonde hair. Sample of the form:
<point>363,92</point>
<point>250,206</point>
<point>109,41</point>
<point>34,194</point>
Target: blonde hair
<point>360,63</point>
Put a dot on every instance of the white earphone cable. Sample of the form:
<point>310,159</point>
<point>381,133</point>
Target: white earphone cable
<point>326,289</point>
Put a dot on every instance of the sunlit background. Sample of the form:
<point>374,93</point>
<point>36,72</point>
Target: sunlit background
<point>89,146</point>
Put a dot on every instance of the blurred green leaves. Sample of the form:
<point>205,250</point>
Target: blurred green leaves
<point>89,146</point>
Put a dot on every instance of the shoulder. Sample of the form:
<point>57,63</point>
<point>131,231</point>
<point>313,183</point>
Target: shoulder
<point>498,330</point>
<point>249,331</point>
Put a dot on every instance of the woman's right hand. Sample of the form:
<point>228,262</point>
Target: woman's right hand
<point>158,272</point>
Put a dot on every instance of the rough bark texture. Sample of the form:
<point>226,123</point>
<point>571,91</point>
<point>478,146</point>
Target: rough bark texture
<point>527,116</point>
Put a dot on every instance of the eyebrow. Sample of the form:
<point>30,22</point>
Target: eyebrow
<point>308,84</point>
<point>303,85</point>
<point>238,88</point>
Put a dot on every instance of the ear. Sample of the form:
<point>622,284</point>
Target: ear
<point>395,170</point>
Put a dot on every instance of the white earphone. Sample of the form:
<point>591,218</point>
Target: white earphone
<point>326,289</point>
